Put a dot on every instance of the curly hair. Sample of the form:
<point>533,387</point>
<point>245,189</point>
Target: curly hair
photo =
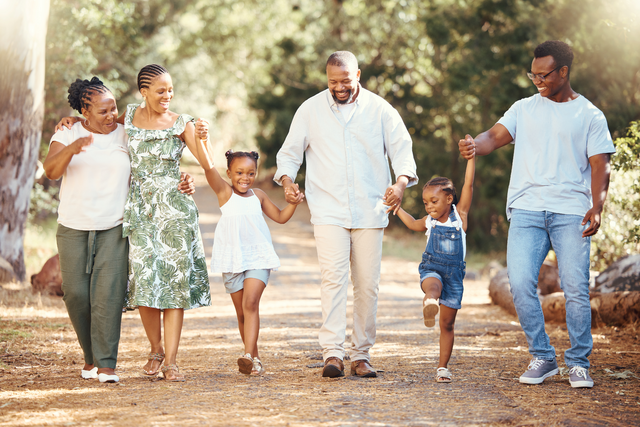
<point>560,51</point>
<point>81,91</point>
<point>445,185</point>
<point>232,155</point>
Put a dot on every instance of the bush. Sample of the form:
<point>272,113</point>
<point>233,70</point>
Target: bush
<point>619,233</point>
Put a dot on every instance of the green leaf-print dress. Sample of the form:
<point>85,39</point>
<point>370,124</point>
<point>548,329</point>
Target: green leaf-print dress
<point>167,267</point>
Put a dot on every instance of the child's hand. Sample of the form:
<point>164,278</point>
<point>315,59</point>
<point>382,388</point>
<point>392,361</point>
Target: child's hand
<point>467,147</point>
<point>297,200</point>
<point>186,184</point>
<point>291,192</point>
<point>202,129</point>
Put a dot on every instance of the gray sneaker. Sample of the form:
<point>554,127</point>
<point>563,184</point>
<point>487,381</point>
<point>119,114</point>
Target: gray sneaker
<point>579,377</point>
<point>539,370</point>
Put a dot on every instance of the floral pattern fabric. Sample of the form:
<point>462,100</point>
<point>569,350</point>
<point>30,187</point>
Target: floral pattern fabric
<point>167,267</point>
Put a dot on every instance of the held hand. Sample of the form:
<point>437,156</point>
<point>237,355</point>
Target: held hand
<point>592,217</point>
<point>67,122</point>
<point>291,191</point>
<point>467,147</point>
<point>297,200</point>
<point>202,129</point>
<point>393,198</point>
<point>186,184</point>
<point>80,145</point>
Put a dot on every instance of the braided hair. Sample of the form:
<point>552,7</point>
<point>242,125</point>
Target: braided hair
<point>81,91</point>
<point>445,185</point>
<point>148,73</point>
<point>232,155</point>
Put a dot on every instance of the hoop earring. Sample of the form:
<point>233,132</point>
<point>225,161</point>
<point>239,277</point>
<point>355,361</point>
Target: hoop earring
<point>144,102</point>
<point>87,123</point>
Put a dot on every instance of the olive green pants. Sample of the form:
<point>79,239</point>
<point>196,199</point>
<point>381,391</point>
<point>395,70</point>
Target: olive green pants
<point>94,268</point>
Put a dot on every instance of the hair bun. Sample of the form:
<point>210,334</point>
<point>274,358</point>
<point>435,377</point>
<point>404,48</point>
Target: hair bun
<point>228,154</point>
<point>255,155</point>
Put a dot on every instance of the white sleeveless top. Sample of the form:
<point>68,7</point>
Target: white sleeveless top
<point>242,240</point>
<point>431,222</point>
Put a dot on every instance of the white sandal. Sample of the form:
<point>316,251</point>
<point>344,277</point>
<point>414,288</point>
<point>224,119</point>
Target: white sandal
<point>443,375</point>
<point>245,364</point>
<point>258,369</point>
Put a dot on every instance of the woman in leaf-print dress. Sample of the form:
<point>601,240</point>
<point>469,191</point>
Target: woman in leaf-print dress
<point>167,268</point>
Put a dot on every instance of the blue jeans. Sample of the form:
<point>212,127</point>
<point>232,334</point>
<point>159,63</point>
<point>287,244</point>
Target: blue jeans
<point>531,234</point>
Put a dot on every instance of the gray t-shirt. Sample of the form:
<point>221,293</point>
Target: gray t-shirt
<point>553,143</point>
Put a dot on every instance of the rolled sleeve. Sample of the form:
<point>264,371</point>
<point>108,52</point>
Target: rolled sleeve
<point>399,146</point>
<point>291,154</point>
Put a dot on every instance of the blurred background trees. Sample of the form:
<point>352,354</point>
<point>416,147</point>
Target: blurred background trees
<point>450,67</point>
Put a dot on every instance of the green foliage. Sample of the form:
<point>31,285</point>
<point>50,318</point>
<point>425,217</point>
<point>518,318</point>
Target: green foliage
<point>619,234</point>
<point>450,67</point>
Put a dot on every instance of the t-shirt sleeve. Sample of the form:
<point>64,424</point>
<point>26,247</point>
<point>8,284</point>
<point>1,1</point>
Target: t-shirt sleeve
<point>510,119</point>
<point>599,139</point>
<point>64,137</point>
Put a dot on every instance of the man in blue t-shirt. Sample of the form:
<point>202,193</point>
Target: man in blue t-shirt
<point>559,182</point>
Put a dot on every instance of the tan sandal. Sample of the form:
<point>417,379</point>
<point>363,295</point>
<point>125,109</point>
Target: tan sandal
<point>245,364</point>
<point>159,357</point>
<point>258,369</point>
<point>172,369</point>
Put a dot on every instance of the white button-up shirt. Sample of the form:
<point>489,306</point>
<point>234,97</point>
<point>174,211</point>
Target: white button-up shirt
<point>347,169</point>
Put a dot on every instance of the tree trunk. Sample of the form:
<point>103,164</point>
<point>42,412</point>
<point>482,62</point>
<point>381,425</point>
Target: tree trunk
<point>23,29</point>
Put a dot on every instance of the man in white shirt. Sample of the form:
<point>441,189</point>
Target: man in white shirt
<point>346,133</point>
<point>559,182</point>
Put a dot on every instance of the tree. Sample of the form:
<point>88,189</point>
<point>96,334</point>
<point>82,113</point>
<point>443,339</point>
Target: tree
<point>23,29</point>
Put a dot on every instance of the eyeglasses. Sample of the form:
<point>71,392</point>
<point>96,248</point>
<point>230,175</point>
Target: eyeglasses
<point>542,77</point>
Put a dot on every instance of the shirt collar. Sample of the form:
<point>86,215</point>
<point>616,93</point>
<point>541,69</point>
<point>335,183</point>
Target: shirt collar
<point>362,94</point>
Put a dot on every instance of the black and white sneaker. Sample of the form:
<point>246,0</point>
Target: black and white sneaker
<point>579,377</point>
<point>539,370</point>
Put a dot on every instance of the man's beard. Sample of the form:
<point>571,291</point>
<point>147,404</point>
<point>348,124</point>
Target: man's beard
<point>352,93</point>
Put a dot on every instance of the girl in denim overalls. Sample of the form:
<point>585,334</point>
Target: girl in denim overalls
<point>442,268</point>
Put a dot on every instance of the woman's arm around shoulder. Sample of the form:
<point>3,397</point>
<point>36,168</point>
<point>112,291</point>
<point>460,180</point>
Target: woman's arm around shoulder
<point>272,211</point>
<point>466,196</point>
<point>411,222</point>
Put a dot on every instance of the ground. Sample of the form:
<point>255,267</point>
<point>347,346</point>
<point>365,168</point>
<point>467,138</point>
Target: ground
<point>40,360</point>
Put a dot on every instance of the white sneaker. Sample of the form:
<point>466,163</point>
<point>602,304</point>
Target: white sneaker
<point>90,374</point>
<point>105,378</point>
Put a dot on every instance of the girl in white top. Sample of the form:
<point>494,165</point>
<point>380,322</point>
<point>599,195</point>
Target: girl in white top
<point>242,248</point>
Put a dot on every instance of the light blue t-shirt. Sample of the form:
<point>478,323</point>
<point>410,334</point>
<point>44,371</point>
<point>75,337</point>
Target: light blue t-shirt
<point>553,143</point>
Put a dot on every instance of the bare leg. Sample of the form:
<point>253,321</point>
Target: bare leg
<point>431,287</point>
<point>237,297</point>
<point>447,321</point>
<point>173,319</point>
<point>152,327</point>
<point>253,289</point>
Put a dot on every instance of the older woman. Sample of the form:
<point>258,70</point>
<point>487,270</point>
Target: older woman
<point>92,159</point>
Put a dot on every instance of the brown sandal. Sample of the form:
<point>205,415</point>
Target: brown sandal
<point>173,368</point>
<point>159,357</point>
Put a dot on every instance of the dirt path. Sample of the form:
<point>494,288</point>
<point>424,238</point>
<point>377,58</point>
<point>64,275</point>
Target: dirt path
<point>41,362</point>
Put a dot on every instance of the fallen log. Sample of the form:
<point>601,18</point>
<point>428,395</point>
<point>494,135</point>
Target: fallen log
<point>615,308</point>
<point>500,292</point>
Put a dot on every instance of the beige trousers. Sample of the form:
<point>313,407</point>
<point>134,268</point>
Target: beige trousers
<point>338,249</point>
